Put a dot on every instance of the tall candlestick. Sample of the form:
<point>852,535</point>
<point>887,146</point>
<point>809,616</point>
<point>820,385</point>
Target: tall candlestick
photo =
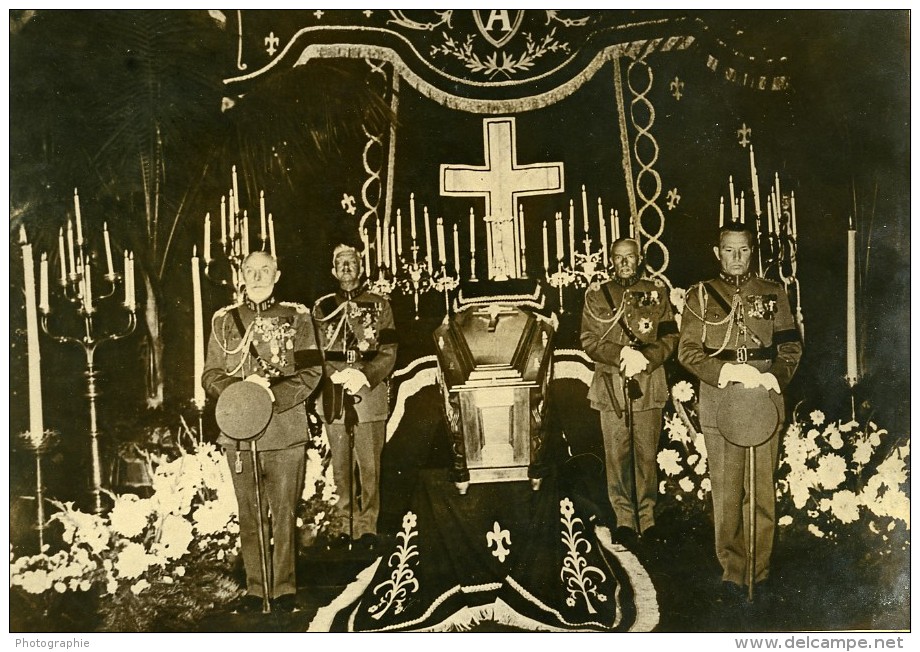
<point>769,214</point>
<point>126,265</point>
<point>571,234</point>
<point>110,268</point>
<point>387,249</point>
<point>44,304</point>
<point>394,258</point>
<point>207,238</point>
<point>615,223</point>
<point>472,233</point>
<point>428,240</point>
<point>442,255</point>
<point>741,207</point>
<point>755,183</point>
<point>792,209</point>
<point>721,212</point>
<point>236,193</point>
<point>87,288</point>
<point>130,296</point>
<point>489,269</point>
<point>412,216</point>
<point>545,249</point>
<point>245,233</point>
<point>36,422</point>
<point>62,255</point>
<point>559,248</point>
<point>378,242</point>
<point>456,249</point>
<point>852,370</point>
<point>231,218</point>
<point>198,318</point>
<point>731,197</point>
<point>367,252</point>
<point>79,217</point>
<point>271,236</point>
<point>263,226</point>
<point>632,227</point>
<point>584,209</point>
<point>521,229</point>
<point>223,220</point>
<point>71,256</point>
<point>603,229</point>
<point>399,232</point>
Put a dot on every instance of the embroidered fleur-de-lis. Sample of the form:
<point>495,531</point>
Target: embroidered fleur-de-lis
<point>498,537</point>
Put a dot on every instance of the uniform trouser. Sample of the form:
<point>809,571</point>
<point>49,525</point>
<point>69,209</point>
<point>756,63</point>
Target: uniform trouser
<point>282,473</point>
<point>621,485</point>
<point>369,440</point>
<point>729,468</point>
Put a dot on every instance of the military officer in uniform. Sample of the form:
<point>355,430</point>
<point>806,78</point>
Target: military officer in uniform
<point>357,335</point>
<point>738,328</point>
<point>270,343</point>
<point>628,329</point>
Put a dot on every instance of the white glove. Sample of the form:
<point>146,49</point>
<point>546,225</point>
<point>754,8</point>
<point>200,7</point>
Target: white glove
<point>769,381</point>
<point>339,376</point>
<point>739,373</point>
<point>355,381</point>
<point>632,361</point>
<point>261,381</point>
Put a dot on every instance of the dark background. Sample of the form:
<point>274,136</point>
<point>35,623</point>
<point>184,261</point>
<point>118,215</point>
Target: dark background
<point>838,136</point>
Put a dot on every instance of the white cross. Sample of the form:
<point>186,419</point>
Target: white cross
<point>501,181</point>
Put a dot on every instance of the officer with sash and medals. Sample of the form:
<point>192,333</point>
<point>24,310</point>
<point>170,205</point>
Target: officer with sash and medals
<point>628,329</point>
<point>358,338</point>
<point>264,352</point>
<point>739,338</point>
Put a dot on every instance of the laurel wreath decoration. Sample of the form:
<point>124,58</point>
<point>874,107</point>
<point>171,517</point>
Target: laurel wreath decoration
<point>504,63</point>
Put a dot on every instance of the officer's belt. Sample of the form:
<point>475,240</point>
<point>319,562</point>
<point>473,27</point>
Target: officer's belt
<point>350,356</point>
<point>736,355</point>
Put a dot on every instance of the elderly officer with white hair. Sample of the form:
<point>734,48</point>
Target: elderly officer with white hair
<point>356,333</point>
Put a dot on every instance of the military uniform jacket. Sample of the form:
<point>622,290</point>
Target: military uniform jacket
<point>734,319</point>
<point>283,336</point>
<point>355,329</point>
<point>645,309</point>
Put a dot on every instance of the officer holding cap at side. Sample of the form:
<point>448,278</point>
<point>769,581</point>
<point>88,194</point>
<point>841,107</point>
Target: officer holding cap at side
<point>356,332</point>
<point>271,345</point>
<point>739,338</point>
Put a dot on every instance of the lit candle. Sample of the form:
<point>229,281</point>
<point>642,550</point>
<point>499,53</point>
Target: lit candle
<point>632,227</point>
<point>489,249</point>
<point>428,241</point>
<point>271,236</point>
<point>852,370</point>
<point>545,249</point>
<point>378,243</point>
<point>231,219</point>
<point>571,234</point>
<point>36,423</point>
<point>263,227</point>
<point>456,249</point>
<point>559,245</point>
<point>395,257</point>
<point>412,216</point>
<point>236,193</point>
<point>721,212</point>
<point>387,249</point>
<point>207,238</point>
<point>769,214</point>
<point>87,287</point>
<point>70,251</point>
<point>223,220</point>
<point>731,197</point>
<point>130,296</point>
<point>110,268</point>
<point>741,206</point>
<point>584,208</point>
<point>245,233</point>
<point>127,264</point>
<point>603,229</point>
<point>79,217</point>
<point>43,304</point>
<point>399,232</point>
<point>523,238</point>
<point>198,318</point>
<point>792,207</point>
<point>755,183</point>
<point>615,221</point>
<point>367,252</point>
<point>472,233</point>
<point>62,255</point>
<point>442,255</point>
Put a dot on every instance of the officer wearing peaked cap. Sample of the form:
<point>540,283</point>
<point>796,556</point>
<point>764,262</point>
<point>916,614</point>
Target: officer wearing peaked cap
<point>271,344</point>
<point>739,338</point>
<point>356,332</point>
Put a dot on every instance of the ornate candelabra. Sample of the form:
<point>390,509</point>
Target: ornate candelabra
<point>78,290</point>
<point>445,283</point>
<point>414,278</point>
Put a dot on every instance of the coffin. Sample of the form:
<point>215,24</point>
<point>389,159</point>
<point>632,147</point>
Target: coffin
<point>495,363</point>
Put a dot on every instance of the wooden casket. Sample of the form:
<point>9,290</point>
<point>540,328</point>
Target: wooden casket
<point>495,363</point>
